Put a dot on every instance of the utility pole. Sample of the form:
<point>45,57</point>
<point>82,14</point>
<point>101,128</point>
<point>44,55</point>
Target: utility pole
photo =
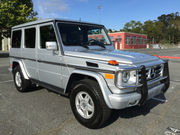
<point>99,15</point>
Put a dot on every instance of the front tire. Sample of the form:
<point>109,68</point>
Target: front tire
<point>88,105</point>
<point>22,85</point>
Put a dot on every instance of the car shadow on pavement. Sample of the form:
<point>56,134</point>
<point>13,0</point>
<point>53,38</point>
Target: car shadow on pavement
<point>34,88</point>
<point>135,110</point>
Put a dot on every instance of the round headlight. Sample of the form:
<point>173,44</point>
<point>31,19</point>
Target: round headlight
<point>125,76</point>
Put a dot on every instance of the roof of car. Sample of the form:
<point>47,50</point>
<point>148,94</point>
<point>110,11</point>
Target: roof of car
<point>40,21</point>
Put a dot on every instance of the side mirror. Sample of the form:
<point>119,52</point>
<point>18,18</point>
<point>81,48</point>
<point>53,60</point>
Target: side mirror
<point>51,46</point>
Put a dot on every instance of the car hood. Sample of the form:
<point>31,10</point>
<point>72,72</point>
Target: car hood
<point>125,57</point>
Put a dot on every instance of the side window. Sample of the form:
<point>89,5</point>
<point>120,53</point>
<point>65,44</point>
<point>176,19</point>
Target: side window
<point>46,34</point>
<point>16,39</point>
<point>139,40</point>
<point>134,40</point>
<point>127,40</point>
<point>119,39</point>
<point>30,38</point>
<point>144,41</point>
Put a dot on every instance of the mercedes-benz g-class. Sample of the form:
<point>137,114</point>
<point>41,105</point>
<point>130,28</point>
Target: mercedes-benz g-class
<point>78,59</point>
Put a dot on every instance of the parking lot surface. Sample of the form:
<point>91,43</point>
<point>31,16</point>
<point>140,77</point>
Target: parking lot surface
<point>41,112</point>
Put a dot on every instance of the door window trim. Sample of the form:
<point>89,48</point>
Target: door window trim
<point>24,47</point>
<point>21,44</point>
<point>39,35</point>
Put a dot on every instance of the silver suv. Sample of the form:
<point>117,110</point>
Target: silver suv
<point>77,59</point>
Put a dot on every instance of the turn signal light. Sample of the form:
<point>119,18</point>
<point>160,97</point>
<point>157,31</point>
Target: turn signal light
<point>113,62</point>
<point>109,76</point>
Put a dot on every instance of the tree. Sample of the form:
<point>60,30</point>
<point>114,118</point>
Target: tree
<point>166,29</point>
<point>148,29</point>
<point>171,30</point>
<point>158,31</point>
<point>14,12</point>
<point>153,29</point>
<point>133,26</point>
<point>110,31</point>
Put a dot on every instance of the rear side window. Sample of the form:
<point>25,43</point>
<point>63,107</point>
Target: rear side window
<point>30,38</point>
<point>47,34</point>
<point>16,39</point>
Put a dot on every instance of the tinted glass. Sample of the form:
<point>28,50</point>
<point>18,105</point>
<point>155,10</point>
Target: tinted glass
<point>16,39</point>
<point>30,38</point>
<point>77,34</point>
<point>47,34</point>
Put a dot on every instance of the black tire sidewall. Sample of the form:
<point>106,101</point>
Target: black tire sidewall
<point>96,118</point>
<point>23,85</point>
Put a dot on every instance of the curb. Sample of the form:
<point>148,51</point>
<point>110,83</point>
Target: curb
<point>4,54</point>
<point>167,57</point>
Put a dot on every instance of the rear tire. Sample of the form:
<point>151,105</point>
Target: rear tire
<point>22,85</point>
<point>88,105</point>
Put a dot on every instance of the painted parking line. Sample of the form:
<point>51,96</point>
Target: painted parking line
<point>161,100</point>
<point>6,81</point>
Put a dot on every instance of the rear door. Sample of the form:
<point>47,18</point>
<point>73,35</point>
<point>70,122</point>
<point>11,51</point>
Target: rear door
<point>29,51</point>
<point>49,62</point>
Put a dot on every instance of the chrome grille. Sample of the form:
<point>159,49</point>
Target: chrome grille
<point>152,73</point>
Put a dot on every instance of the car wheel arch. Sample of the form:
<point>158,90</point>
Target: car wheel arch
<point>93,75</point>
<point>15,63</point>
<point>77,76</point>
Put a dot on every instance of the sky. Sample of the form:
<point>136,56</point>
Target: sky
<point>111,13</point>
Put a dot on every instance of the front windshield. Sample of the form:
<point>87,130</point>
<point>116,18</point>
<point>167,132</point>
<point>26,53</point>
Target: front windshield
<point>83,35</point>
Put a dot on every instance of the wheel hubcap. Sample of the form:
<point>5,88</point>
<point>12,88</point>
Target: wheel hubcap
<point>84,105</point>
<point>18,79</point>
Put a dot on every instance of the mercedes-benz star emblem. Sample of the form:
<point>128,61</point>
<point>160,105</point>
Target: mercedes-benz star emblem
<point>152,73</point>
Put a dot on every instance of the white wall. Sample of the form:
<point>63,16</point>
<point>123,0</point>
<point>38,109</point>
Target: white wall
<point>6,44</point>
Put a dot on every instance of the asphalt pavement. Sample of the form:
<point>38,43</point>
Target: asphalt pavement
<point>41,112</point>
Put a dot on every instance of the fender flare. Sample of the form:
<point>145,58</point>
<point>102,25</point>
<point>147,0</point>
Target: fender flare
<point>23,69</point>
<point>101,81</point>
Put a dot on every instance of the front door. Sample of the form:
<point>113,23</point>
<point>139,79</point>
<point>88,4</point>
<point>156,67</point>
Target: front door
<point>49,61</point>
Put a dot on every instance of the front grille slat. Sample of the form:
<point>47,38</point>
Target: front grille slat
<point>152,73</point>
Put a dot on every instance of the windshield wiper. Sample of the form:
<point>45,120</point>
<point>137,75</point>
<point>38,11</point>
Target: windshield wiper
<point>84,45</point>
<point>100,44</point>
<point>94,42</point>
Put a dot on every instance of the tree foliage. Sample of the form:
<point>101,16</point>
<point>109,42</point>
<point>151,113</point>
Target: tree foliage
<point>133,26</point>
<point>14,12</point>
<point>166,29</point>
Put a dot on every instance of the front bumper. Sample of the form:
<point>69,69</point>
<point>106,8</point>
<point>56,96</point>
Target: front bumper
<point>132,99</point>
<point>139,97</point>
